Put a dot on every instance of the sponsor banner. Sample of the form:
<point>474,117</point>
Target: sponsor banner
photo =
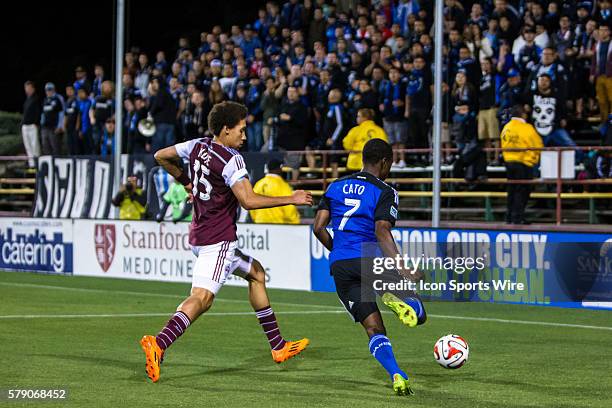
<point>81,186</point>
<point>37,245</point>
<point>562,269</point>
<point>161,251</point>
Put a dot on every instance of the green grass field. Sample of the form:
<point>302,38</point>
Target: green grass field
<point>82,333</point>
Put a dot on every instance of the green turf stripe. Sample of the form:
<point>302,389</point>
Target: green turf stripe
<point>339,310</point>
<point>87,316</point>
<point>490,319</point>
<point>136,293</point>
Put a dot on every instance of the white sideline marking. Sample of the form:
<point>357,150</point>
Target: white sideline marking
<point>492,319</point>
<point>86,316</point>
<point>339,310</point>
<point>126,292</point>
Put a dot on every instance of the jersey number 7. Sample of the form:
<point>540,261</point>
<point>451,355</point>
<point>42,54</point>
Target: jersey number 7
<point>354,204</point>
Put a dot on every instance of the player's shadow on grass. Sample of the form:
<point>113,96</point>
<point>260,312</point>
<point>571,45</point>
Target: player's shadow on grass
<point>124,364</point>
<point>135,371</point>
<point>262,365</point>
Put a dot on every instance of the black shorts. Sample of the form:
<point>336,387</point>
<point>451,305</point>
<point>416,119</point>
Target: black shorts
<point>355,287</point>
<point>347,277</point>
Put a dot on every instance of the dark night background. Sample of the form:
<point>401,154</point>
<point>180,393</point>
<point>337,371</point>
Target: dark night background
<point>45,41</point>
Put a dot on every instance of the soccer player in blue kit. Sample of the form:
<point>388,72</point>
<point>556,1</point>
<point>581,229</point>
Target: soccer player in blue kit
<point>362,209</point>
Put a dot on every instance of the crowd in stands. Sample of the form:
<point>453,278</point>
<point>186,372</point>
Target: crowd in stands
<point>305,68</point>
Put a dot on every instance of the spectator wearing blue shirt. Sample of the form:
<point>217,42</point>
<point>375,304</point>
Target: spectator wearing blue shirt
<point>402,10</point>
<point>529,54</point>
<point>300,82</point>
<point>418,103</point>
<point>320,99</point>
<point>261,24</point>
<point>273,14</point>
<point>71,120</point>
<point>255,116</point>
<point>454,45</point>
<point>492,34</point>
<point>505,60</point>
<point>103,107</point>
<point>163,111</point>
<point>291,15</point>
<point>107,145</point>
<point>393,111</point>
<point>129,90</point>
<point>476,17</point>
<point>330,32</point>
<point>298,57</point>
<point>510,94</point>
<point>550,67</point>
<point>334,127</point>
<point>81,78</point>
<point>249,42</point>
<point>98,79</point>
<point>52,120</point>
<point>378,82</point>
<point>488,124</point>
<point>143,73</point>
<point>469,65</point>
<point>160,62</point>
<point>272,39</point>
<point>84,123</point>
<point>344,56</point>
<point>205,40</point>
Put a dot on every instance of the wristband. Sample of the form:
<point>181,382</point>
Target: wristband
<point>183,179</point>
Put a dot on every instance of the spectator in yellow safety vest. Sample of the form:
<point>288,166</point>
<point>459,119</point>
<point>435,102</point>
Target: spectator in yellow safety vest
<point>130,199</point>
<point>273,185</point>
<point>358,136</point>
<point>519,134</point>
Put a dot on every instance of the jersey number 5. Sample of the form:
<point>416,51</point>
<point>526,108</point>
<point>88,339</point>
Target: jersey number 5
<point>354,204</point>
<point>200,171</point>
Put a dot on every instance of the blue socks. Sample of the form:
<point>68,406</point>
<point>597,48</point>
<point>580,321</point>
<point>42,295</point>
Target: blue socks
<point>416,305</point>
<point>380,348</point>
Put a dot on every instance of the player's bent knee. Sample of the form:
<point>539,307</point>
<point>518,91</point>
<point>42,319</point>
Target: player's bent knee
<point>373,325</point>
<point>257,273</point>
<point>374,330</point>
<point>204,296</point>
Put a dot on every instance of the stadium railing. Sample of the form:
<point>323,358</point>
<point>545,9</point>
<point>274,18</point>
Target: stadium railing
<point>559,182</point>
<point>17,183</point>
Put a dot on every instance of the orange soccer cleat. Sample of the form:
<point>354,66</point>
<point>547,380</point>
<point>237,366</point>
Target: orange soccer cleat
<point>154,355</point>
<point>291,349</point>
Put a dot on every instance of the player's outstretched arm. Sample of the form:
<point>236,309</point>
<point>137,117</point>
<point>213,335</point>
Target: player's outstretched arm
<point>320,229</point>
<point>249,200</point>
<point>169,159</point>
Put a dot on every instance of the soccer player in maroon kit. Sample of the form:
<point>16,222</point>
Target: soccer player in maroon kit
<point>219,182</point>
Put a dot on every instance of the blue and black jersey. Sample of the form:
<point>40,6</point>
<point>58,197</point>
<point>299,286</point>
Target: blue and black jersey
<point>355,203</point>
<point>393,92</point>
<point>103,108</point>
<point>52,112</point>
<point>71,113</point>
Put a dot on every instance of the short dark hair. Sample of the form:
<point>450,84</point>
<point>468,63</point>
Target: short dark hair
<point>366,113</point>
<point>517,111</point>
<point>29,83</point>
<point>226,113</point>
<point>375,150</point>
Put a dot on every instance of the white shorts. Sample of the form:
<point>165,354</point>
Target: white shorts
<point>215,262</point>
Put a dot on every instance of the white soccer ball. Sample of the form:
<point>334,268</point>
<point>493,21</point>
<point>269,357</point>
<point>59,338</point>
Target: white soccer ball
<point>451,351</point>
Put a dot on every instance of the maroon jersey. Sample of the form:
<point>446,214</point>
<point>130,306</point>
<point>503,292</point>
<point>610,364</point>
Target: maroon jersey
<point>214,169</point>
